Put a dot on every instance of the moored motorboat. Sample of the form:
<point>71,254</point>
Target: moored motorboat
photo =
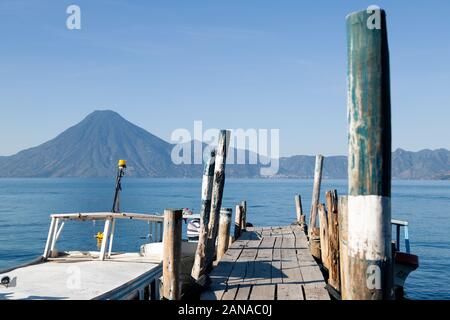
<point>102,274</point>
<point>404,261</point>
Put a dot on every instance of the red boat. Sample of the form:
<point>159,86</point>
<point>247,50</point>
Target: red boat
<point>405,262</point>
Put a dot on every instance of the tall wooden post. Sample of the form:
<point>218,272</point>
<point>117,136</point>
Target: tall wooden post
<point>299,211</point>
<point>343,245</point>
<point>224,232</point>
<point>369,200</point>
<point>323,220</point>
<point>333,239</point>
<point>208,176</point>
<point>313,231</point>
<point>217,194</point>
<point>316,192</point>
<point>244,215</point>
<point>238,221</point>
<point>298,207</point>
<point>172,254</point>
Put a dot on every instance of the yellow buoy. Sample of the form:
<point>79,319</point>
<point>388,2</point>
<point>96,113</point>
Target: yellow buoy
<point>99,236</point>
<point>122,163</point>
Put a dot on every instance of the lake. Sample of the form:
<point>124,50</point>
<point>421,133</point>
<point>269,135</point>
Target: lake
<point>25,206</point>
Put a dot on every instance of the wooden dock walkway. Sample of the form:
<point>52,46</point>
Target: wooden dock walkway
<point>272,263</point>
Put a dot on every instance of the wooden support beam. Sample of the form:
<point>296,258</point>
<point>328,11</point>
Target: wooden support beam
<point>199,266</point>
<point>369,200</point>
<point>217,194</point>
<point>298,207</point>
<point>333,239</point>
<point>224,232</point>
<point>172,254</point>
<point>343,245</point>
<point>238,222</point>
<point>323,220</point>
<point>316,193</point>
<point>313,231</point>
<point>314,243</point>
<point>244,215</point>
<point>299,211</point>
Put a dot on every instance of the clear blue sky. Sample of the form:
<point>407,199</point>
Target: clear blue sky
<point>231,63</point>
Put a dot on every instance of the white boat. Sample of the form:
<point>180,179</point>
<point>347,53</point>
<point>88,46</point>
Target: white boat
<point>103,274</point>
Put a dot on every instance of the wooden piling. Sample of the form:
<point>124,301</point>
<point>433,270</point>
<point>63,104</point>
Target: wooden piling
<point>299,210</point>
<point>343,246</point>
<point>323,220</point>
<point>314,243</point>
<point>333,239</point>
<point>244,215</point>
<point>313,231</point>
<point>238,219</point>
<point>208,176</point>
<point>298,207</point>
<point>217,194</point>
<point>172,254</point>
<point>224,232</point>
<point>369,200</point>
<point>316,192</point>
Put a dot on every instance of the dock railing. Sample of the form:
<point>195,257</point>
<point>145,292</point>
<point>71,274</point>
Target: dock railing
<point>398,225</point>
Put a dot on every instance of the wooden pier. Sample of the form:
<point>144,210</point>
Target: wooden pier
<point>272,263</point>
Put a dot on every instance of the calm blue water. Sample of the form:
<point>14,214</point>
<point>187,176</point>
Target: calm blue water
<point>25,206</point>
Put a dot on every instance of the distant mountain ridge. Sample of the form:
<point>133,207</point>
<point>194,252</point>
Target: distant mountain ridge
<point>92,147</point>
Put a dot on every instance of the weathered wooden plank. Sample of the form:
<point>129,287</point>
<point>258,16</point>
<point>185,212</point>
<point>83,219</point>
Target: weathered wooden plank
<point>266,232</point>
<point>263,292</point>
<point>313,281</point>
<point>221,273</point>
<point>269,266</point>
<point>258,268</point>
<point>316,293</point>
<point>276,232</point>
<point>237,283</point>
<point>289,291</point>
<point>289,264</point>
<point>277,275</point>
<point>263,261</point>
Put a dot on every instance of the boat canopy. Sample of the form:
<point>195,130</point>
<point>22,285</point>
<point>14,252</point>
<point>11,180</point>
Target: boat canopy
<point>57,225</point>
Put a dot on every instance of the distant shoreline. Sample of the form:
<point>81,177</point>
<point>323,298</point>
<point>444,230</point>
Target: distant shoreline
<point>199,178</point>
